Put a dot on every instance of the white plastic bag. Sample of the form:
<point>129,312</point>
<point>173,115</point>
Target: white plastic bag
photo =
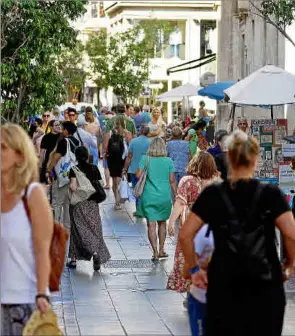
<point>64,165</point>
<point>123,189</point>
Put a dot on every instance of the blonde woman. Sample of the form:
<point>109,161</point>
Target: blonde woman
<point>155,203</point>
<point>116,153</point>
<point>156,125</point>
<point>25,244</point>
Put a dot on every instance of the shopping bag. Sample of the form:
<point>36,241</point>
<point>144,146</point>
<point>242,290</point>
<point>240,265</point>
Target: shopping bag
<point>123,189</point>
<point>64,165</point>
<point>138,190</point>
<point>84,188</point>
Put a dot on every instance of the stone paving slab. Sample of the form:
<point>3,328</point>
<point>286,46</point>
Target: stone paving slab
<point>128,296</point>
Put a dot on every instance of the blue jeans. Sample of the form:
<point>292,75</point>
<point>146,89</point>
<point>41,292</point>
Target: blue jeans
<point>196,312</point>
<point>134,180</point>
<point>178,177</point>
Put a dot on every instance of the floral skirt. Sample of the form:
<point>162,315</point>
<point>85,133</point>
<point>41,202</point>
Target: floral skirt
<point>176,281</point>
<point>14,318</point>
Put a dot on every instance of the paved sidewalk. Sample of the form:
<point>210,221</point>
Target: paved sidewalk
<point>128,295</point>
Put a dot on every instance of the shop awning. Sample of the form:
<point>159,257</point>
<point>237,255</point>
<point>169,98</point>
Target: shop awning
<point>194,64</point>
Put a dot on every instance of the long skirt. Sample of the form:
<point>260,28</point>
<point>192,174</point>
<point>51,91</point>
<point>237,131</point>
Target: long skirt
<point>14,318</point>
<point>176,281</point>
<point>86,232</point>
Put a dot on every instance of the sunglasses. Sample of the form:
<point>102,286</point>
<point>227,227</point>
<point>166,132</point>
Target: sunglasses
<point>46,115</point>
<point>56,125</point>
<point>72,115</point>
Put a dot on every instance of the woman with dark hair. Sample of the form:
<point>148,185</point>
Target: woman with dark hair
<point>86,230</point>
<point>37,134</point>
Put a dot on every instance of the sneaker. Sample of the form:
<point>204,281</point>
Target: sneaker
<point>96,262</point>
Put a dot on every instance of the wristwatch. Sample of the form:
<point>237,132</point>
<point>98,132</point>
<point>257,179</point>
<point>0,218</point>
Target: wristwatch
<point>194,270</point>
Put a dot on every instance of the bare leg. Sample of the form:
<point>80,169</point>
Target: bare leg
<point>152,234</point>
<point>116,182</point>
<point>107,176</point>
<point>162,232</point>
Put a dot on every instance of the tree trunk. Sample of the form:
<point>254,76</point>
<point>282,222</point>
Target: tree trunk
<point>98,95</point>
<point>16,117</point>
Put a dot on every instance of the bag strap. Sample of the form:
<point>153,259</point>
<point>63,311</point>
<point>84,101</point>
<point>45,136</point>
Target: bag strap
<point>146,163</point>
<point>26,204</point>
<point>82,143</point>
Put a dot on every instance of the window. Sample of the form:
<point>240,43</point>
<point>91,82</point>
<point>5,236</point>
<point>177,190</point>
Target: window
<point>208,37</point>
<point>94,12</point>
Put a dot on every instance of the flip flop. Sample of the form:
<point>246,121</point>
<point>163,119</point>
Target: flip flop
<point>163,255</point>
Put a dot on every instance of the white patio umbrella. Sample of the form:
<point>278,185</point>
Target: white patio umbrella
<point>177,94</point>
<point>268,86</point>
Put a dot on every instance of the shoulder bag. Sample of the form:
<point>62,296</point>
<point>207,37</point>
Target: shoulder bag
<point>138,189</point>
<point>57,249</point>
<point>84,188</point>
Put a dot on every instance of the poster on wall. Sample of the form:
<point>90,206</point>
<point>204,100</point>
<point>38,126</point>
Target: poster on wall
<point>270,136</point>
<point>286,173</point>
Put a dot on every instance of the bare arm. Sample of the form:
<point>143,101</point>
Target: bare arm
<point>42,157</point>
<point>73,184</point>
<point>286,224</point>
<point>42,227</point>
<point>105,142</point>
<point>176,212</point>
<point>56,157</point>
<point>139,173</point>
<point>127,161</point>
<point>157,132</point>
<point>173,183</point>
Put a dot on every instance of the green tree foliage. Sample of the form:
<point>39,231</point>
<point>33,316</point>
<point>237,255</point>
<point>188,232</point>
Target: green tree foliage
<point>122,60</point>
<point>279,13</point>
<point>33,34</point>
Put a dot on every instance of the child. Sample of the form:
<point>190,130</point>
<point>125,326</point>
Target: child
<point>204,246</point>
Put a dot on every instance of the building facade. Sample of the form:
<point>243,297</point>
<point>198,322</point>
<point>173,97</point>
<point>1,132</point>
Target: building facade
<point>194,36</point>
<point>246,43</point>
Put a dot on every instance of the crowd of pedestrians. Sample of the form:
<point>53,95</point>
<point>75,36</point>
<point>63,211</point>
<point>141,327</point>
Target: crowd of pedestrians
<point>226,257</point>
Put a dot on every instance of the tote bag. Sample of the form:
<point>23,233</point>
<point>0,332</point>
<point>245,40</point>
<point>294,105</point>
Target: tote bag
<point>64,165</point>
<point>84,188</point>
<point>138,189</point>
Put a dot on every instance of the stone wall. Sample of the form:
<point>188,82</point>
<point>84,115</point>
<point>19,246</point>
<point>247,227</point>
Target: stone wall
<point>245,44</point>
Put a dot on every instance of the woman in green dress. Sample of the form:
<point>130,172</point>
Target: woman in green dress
<point>155,203</point>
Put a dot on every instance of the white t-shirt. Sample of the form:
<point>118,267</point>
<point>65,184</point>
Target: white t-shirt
<point>204,248</point>
<point>17,262</point>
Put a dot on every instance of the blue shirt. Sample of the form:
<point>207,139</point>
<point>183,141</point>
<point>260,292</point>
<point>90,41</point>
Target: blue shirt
<point>139,120</point>
<point>178,151</point>
<point>138,147</point>
<point>147,117</point>
<point>214,151</point>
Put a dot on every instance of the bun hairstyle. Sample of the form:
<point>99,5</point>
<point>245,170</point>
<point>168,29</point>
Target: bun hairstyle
<point>242,149</point>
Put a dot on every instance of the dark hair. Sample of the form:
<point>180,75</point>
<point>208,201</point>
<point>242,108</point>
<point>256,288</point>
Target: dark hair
<point>82,154</point>
<point>51,123</point>
<point>201,124</point>
<point>38,121</point>
<point>71,109</point>
<point>70,127</point>
<point>120,108</point>
<point>32,130</point>
<point>128,106</point>
<point>114,109</point>
<point>137,109</point>
<point>219,135</point>
<point>89,109</point>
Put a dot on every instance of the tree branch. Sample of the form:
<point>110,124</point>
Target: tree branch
<point>270,21</point>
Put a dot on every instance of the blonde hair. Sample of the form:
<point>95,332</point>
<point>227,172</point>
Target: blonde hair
<point>159,110</point>
<point>27,171</point>
<point>120,124</point>
<point>157,148</point>
<point>242,149</point>
<point>202,165</point>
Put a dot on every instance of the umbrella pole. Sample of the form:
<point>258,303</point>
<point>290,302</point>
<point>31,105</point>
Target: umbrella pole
<point>271,112</point>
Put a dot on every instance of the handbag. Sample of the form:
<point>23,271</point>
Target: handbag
<point>100,194</point>
<point>123,189</point>
<point>64,165</point>
<point>84,188</point>
<point>57,249</point>
<point>138,189</point>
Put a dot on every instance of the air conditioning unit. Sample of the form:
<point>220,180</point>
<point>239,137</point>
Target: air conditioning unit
<point>243,6</point>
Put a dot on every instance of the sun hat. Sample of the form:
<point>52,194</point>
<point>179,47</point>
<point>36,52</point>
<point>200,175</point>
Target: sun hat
<point>191,132</point>
<point>42,325</point>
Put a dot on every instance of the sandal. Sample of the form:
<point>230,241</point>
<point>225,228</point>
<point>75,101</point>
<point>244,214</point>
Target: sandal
<point>72,264</point>
<point>163,255</point>
<point>155,259</point>
<point>107,187</point>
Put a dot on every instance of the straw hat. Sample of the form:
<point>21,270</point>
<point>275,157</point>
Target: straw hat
<point>42,325</point>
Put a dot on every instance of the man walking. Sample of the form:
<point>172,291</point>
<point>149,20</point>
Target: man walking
<point>137,148</point>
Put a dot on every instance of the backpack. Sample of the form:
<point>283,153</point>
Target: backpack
<point>243,245</point>
<point>116,144</point>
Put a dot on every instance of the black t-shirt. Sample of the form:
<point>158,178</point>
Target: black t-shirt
<point>48,143</point>
<point>62,146</point>
<point>211,208</point>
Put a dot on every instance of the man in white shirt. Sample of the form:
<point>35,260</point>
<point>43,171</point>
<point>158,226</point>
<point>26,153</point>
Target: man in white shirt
<point>84,137</point>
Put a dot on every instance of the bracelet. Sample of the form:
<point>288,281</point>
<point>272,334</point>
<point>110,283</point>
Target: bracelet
<point>43,296</point>
<point>194,270</point>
